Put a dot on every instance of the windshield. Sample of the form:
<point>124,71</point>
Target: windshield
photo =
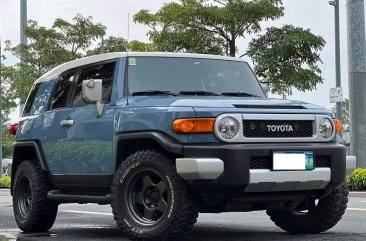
<point>185,75</point>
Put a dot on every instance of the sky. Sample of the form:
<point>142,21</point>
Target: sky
<point>317,15</point>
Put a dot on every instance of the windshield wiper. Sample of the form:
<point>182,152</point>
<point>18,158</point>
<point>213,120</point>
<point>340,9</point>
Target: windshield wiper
<point>199,92</point>
<point>154,92</point>
<point>239,94</point>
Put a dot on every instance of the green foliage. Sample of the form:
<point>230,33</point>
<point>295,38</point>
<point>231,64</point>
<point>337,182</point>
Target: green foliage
<point>6,75</point>
<point>5,182</point>
<point>287,57</point>
<point>138,46</point>
<point>357,180</point>
<point>111,44</point>
<point>49,47</point>
<point>119,44</point>
<point>206,26</point>
<point>7,142</point>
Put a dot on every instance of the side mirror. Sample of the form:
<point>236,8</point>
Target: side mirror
<point>93,92</point>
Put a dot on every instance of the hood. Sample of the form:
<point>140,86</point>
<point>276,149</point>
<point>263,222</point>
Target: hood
<point>219,102</point>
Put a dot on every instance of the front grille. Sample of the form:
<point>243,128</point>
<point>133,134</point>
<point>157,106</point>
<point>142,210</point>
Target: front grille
<point>278,128</point>
<point>265,162</point>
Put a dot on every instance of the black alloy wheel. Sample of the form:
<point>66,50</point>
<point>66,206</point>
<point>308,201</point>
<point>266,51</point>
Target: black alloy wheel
<point>147,195</point>
<point>32,210</point>
<point>24,197</point>
<point>150,201</point>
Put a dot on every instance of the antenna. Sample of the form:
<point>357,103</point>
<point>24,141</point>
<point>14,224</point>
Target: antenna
<point>128,27</point>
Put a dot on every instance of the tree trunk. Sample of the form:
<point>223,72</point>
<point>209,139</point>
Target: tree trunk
<point>232,47</point>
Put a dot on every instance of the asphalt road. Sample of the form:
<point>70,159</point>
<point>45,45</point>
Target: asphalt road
<point>94,222</point>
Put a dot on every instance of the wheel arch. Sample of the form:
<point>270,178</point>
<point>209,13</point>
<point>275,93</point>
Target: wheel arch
<point>27,150</point>
<point>129,143</point>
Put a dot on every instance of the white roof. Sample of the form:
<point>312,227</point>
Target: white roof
<point>55,72</point>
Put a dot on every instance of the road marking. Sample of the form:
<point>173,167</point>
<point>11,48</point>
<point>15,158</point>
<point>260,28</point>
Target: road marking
<point>357,209</point>
<point>84,212</point>
<point>362,201</point>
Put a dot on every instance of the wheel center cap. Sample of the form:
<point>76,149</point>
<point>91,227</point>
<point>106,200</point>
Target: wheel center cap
<point>152,195</point>
<point>155,197</point>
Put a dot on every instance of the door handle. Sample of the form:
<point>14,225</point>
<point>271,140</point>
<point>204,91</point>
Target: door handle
<point>67,123</point>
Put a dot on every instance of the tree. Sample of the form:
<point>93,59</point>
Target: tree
<point>345,114</point>
<point>287,57</point>
<point>207,26</point>
<point>111,44</point>
<point>6,74</point>
<point>138,46</point>
<point>119,44</point>
<point>284,57</point>
<point>7,143</point>
<point>49,47</point>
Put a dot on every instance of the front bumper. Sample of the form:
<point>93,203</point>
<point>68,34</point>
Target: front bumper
<point>237,175</point>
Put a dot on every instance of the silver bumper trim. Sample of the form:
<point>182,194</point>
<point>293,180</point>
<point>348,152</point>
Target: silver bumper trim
<point>350,164</point>
<point>265,180</point>
<point>199,168</point>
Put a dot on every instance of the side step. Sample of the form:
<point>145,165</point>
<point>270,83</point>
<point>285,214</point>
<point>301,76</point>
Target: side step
<point>61,197</point>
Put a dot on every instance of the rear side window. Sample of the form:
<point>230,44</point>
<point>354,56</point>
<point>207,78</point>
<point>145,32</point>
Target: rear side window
<point>39,98</point>
<point>30,100</point>
<point>59,97</point>
<point>101,71</point>
<point>40,103</point>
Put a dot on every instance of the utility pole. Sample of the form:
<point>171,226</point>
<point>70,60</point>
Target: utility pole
<point>337,54</point>
<point>23,21</point>
<point>23,38</point>
<point>357,78</point>
<point>1,112</point>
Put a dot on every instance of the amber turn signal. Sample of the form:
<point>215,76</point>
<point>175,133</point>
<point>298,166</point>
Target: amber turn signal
<point>338,125</point>
<point>194,125</point>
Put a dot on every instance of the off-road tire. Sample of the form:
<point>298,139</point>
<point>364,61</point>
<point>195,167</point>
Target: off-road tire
<point>181,213</point>
<point>323,217</point>
<point>41,213</point>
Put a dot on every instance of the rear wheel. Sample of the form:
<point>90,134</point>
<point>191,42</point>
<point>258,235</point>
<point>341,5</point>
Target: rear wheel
<point>320,216</point>
<point>32,210</point>
<point>149,200</point>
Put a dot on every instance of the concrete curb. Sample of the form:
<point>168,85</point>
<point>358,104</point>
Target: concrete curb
<point>357,194</point>
<point>4,192</point>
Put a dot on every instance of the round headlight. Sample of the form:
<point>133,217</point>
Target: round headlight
<point>228,127</point>
<point>326,128</point>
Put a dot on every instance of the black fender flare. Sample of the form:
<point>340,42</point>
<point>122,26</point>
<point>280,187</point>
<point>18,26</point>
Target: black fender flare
<point>21,153</point>
<point>167,143</point>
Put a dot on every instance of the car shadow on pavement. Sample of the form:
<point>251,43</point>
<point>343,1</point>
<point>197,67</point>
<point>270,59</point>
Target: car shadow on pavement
<point>198,234</point>
<point>227,234</point>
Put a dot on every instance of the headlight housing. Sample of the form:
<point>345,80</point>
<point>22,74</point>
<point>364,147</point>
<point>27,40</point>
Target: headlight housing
<point>228,127</point>
<point>326,128</point>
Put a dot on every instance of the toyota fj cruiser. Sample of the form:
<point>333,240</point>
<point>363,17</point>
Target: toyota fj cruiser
<point>162,137</point>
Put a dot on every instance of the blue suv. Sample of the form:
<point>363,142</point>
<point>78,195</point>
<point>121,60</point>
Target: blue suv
<point>163,136</point>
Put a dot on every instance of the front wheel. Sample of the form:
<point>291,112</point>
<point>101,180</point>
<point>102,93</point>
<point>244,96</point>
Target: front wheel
<point>32,210</point>
<point>149,200</point>
<point>319,217</point>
